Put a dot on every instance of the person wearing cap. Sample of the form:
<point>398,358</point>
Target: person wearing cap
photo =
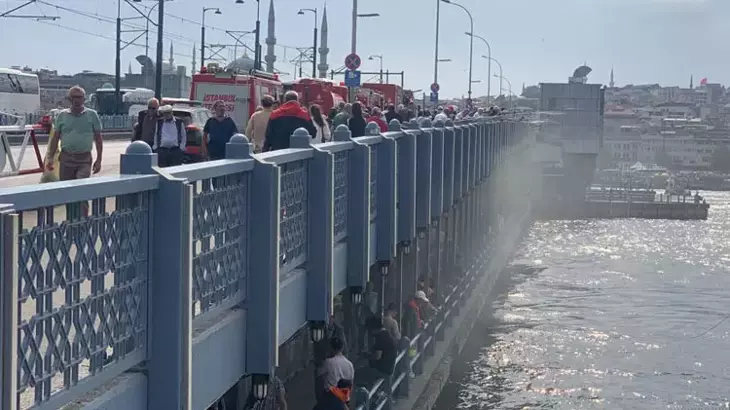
<point>425,308</point>
<point>217,131</point>
<point>336,397</point>
<point>169,138</point>
<point>441,116</point>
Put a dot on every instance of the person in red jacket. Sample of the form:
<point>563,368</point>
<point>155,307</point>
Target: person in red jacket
<point>284,121</point>
<point>376,116</point>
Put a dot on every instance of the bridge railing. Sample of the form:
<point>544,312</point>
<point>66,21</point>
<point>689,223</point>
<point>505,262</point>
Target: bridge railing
<point>451,169</point>
<point>106,275</point>
<point>75,282</point>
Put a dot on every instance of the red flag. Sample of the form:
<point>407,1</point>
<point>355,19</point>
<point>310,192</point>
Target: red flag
<point>703,81</point>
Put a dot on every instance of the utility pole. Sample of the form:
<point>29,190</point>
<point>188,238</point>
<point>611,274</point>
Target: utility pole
<point>436,48</point>
<point>118,62</point>
<point>158,63</point>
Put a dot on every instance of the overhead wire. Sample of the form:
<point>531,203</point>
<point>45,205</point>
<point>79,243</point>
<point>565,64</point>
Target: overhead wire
<point>105,19</point>
<point>112,20</point>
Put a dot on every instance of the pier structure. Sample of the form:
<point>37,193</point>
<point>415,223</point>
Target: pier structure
<point>168,288</point>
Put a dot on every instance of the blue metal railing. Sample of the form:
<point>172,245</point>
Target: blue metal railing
<point>95,270</point>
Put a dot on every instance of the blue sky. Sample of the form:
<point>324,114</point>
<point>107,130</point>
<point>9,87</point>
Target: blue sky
<point>646,41</point>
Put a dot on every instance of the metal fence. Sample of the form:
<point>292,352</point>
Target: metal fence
<point>110,274</point>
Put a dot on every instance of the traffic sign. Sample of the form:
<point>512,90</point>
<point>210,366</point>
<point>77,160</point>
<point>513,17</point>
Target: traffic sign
<point>352,61</point>
<point>435,98</point>
<point>352,78</point>
<point>435,87</point>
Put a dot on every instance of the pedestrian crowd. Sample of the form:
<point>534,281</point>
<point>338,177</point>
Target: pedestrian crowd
<point>268,129</point>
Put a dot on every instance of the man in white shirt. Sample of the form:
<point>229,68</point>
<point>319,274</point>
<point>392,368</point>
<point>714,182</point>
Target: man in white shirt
<point>338,366</point>
<point>169,138</point>
<point>440,116</point>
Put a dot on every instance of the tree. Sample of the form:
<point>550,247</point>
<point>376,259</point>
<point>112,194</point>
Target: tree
<point>720,160</point>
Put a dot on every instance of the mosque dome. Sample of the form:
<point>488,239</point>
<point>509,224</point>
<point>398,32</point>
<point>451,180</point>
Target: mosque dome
<point>242,64</point>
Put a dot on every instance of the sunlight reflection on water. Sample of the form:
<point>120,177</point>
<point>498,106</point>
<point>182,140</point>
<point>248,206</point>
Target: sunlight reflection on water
<point>611,319</point>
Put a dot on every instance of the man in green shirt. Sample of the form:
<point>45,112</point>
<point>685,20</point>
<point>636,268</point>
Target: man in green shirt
<point>80,128</point>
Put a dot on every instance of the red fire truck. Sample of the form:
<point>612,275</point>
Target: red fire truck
<point>241,93</point>
<point>393,93</point>
<point>319,91</point>
<point>369,97</point>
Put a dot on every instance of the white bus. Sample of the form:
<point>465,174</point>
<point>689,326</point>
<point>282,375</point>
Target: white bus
<point>19,92</point>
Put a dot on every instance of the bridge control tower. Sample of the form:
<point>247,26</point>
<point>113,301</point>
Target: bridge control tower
<point>578,108</point>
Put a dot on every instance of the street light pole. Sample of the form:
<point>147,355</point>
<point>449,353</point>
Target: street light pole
<point>379,57</point>
<point>436,47</point>
<point>489,63</point>
<point>202,39</point>
<point>160,34</point>
<point>501,73</point>
<point>118,62</point>
<point>257,48</point>
<point>510,89</point>
<point>202,33</point>
<point>471,40</point>
<point>158,63</point>
<point>353,48</point>
<point>314,47</point>
<point>147,33</point>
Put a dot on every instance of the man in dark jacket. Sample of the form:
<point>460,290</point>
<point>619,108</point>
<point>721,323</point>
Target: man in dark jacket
<point>285,120</point>
<point>146,125</point>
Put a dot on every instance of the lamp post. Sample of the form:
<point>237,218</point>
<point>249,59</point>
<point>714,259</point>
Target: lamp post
<point>471,39</point>
<point>379,57</point>
<point>436,47</point>
<point>489,63</point>
<point>314,47</point>
<point>147,32</point>
<point>118,51</point>
<point>501,73</point>
<point>510,89</point>
<point>257,31</point>
<point>202,33</point>
<point>118,61</point>
<point>353,45</point>
<point>158,62</point>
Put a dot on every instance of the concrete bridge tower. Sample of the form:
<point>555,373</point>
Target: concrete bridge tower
<point>324,51</point>
<point>271,39</point>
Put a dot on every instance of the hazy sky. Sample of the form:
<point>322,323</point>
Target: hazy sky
<point>646,41</point>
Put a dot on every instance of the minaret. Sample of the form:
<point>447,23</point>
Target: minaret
<point>611,83</point>
<point>691,82</point>
<point>323,67</point>
<point>195,63</point>
<point>129,70</point>
<point>172,59</point>
<point>271,40</point>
